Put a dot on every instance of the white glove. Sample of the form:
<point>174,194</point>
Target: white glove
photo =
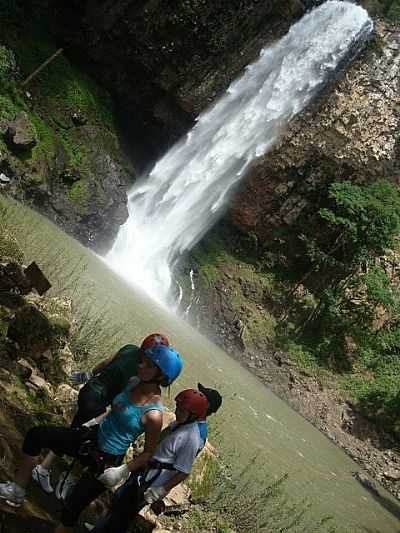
<point>112,476</point>
<point>90,423</point>
<point>153,494</point>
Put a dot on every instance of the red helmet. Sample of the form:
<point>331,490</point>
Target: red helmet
<point>194,401</point>
<point>153,340</point>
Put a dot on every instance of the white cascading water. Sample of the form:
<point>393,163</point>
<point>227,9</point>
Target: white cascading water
<point>185,193</point>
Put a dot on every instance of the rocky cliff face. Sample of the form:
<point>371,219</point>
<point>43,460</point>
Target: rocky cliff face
<point>60,149</point>
<point>351,134</point>
<point>167,61</point>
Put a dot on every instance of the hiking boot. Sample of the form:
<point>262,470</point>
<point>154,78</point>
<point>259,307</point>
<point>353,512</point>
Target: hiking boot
<point>42,476</point>
<point>12,493</point>
<point>65,485</point>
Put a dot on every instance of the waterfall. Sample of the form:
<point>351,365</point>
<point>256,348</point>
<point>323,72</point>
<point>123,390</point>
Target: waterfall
<point>187,190</point>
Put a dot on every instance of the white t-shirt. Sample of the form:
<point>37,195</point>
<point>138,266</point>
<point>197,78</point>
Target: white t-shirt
<point>179,449</point>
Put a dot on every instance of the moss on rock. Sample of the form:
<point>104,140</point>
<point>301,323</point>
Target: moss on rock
<point>77,149</point>
<point>79,195</point>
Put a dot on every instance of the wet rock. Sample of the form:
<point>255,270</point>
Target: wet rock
<point>20,134</point>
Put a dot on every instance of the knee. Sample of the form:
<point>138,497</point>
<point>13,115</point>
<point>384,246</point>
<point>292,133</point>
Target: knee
<point>32,443</point>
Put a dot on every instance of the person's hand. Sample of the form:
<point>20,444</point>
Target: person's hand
<point>78,378</point>
<point>153,494</point>
<point>112,476</point>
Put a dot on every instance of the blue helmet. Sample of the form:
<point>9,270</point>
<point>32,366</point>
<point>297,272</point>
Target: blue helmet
<point>168,361</point>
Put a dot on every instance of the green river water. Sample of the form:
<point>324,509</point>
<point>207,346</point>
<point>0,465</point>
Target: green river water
<point>253,421</point>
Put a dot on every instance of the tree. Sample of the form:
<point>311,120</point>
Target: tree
<point>361,222</point>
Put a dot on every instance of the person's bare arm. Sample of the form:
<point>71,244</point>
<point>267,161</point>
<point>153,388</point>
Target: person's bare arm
<point>154,494</point>
<point>153,425</point>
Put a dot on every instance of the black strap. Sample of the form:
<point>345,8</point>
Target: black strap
<point>154,464</point>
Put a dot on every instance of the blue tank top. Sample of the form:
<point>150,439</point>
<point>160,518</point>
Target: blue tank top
<point>123,424</point>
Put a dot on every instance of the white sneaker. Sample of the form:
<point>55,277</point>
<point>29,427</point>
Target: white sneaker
<point>65,485</point>
<point>88,526</point>
<point>42,476</point>
<point>12,493</point>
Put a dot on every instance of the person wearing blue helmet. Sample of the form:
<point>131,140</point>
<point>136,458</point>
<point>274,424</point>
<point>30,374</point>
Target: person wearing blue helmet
<point>136,410</point>
<point>107,379</point>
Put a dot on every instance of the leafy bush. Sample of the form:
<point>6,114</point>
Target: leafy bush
<point>8,67</point>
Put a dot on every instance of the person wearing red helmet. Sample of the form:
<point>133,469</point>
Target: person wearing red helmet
<point>135,411</point>
<point>171,463</point>
<point>107,379</point>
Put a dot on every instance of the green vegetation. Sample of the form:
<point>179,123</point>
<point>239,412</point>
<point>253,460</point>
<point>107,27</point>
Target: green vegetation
<point>387,9</point>
<point>79,194</point>
<point>8,67</point>
<point>205,477</point>
<point>64,106</point>
<point>336,310</point>
<point>9,247</point>
<point>235,504</point>
<point>355,326</point>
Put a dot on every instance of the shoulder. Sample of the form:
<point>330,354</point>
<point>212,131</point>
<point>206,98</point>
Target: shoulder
<point>188,432</point>
<point>129,348</point>
<point>153,418</point>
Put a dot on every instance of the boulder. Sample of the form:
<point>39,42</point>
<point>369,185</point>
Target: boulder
<point>392,474</point>
<point>66,394</point>
<point>40,384</point>
<point>24,369</point>
<point>13,275</point>
<point>31,329</point>
<point>20,134</point>
<point>65,360</point>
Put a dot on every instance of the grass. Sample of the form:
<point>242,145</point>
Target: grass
<point>234,504</point>
<point>9,246</point>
